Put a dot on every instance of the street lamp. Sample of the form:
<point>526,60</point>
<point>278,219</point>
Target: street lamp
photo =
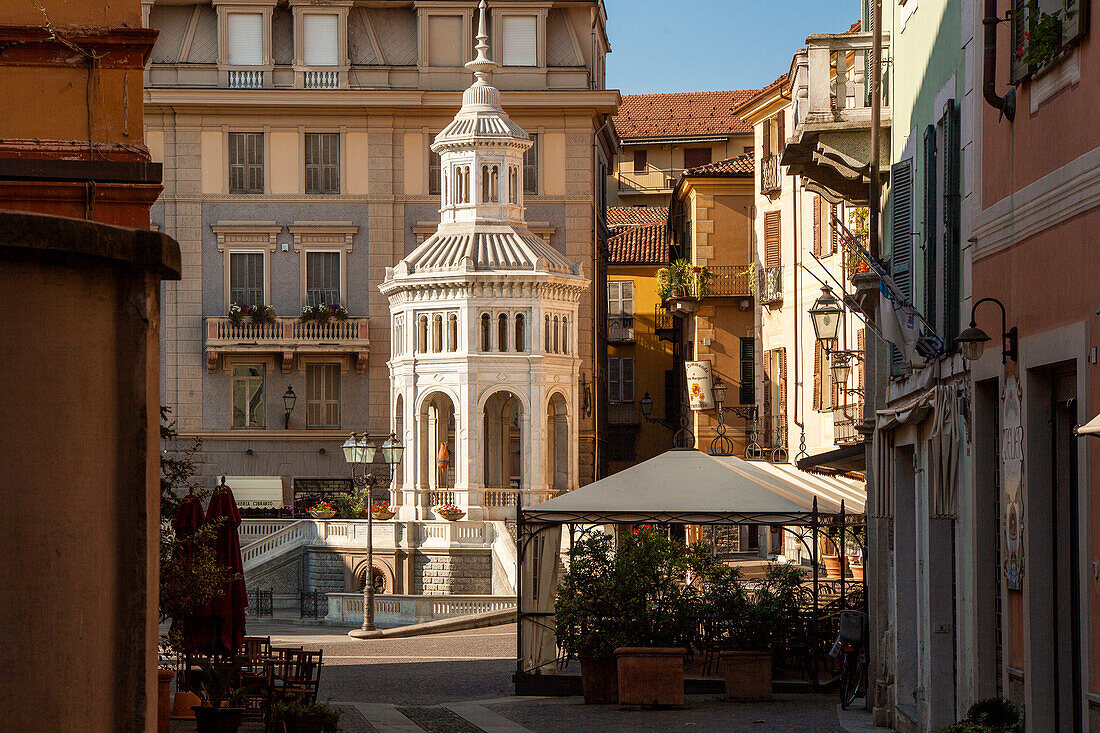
<point>841,368</point>
<point>647,406</point>
<point>972,341</point>
<point>289,398</point>
<point>721,445</point>
<point>825,315</point>
<point>361,454</point>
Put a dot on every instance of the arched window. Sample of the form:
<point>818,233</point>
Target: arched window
<point>486,333</point>
<point>494,185</point>
<point>437,334</point>
<point>422,335</point>
<point>452,332</point>
<point>466,184</point>
<point>565,334</point>
<point>546,331</point>
<point>445,191</point>
<point>457,186</point>
<point>502,333</point>
<point>521,336</point>
<point>512,187</point>
<point>557,342</point>
<point>485,184</point>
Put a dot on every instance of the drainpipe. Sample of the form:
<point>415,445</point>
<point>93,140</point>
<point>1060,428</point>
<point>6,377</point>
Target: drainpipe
<point>1007,103</point>
<point>876,122</point>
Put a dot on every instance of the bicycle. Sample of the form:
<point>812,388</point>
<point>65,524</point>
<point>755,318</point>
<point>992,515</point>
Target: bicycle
<point>853,656</point>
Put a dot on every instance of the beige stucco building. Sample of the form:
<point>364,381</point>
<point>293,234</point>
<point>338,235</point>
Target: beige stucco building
<point>295,141</point>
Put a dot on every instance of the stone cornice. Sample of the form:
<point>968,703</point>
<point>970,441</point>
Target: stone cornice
<point>340,233</point>
<point>261,233</point>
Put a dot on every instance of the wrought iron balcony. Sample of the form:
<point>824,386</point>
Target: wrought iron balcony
<point>770,180</point>
<point>620,329</point>
<point>730,281</point>
<point>287,336</point>
<point>845,420</point>
<point>771,285</point>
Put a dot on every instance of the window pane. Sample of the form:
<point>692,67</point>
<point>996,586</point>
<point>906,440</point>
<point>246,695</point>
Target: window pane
<point>246,278</point>
<point>246,162</point>
<point>322,162</point>
<point>248,396</point>
<point>322,278</point>
<point>246,39</point>
<point>531,167</point>
<point>434,170</point>
<point>323,396</point>
<point>319,36</point>
<point>519,40</point>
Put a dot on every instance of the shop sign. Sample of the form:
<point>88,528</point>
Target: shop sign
<point>700,396</point>
<point>1012,476</point>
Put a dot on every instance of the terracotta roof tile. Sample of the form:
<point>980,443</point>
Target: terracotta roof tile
<point>741,165</point>
<point>644,244</point>
<point>621,216</point>
<point>682,114</point>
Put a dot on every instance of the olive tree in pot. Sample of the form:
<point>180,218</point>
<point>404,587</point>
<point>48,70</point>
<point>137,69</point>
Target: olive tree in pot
<point>747,621</point>
<point>221,694</point>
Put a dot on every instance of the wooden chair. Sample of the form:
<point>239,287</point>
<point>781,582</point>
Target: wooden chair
<point>304,685</point>
<point>252,669</point>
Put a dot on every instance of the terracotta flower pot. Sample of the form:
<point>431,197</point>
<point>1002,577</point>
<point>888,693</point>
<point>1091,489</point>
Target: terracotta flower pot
<point>857,570</point>
<point>164,698</point>
<point>651,676</point>
<point>217,720</point>
<point>832,566</point>
<point>600,680</point>
<point>183,705</point>
<point>452,516</point>
<point>748,675</point>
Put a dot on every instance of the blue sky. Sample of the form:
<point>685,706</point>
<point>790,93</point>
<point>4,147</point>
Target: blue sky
<point>693,45</point>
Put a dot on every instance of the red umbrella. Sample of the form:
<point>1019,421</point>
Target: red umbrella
<point>187,522</point>
<point>228,608</point>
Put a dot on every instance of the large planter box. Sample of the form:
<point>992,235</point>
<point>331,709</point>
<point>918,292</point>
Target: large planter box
<point>651,676</point>
<point>748,675</point>
<point>600,680</point>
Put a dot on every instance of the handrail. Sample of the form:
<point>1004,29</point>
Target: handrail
<point>293,535</point>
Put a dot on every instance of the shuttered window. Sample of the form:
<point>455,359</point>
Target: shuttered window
<point>323,396</point>
<point>322,162</point>
<point>767,399</point>
<point>819,242</point>
<point>695,157</point>
<point>748,370</point>
<point>780,134</point>
<point>531,167</point>
<point>246,278</point>
<point>435,169</point>
<point>772,239</point>
<point>246,39</point>
<point>520,46</point>
<point>931,217</point>
<point>781,370</point>
<point>246,162</point>
<point>319,35</point>
<point>952,212</point>
<point>901,242</point>
<point>823,379</point>
<point>640,161</point>
<point>1074,24</point>
<point>620,379</point>
<point>322,278</point>
<point>248,396</point>
<point>620,298</point>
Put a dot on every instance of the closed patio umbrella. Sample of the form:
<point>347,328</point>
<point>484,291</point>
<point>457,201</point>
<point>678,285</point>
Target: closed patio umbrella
<point>228,608</point>
<point>189,626</point>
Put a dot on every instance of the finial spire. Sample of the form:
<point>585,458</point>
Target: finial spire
<point>482,65</point>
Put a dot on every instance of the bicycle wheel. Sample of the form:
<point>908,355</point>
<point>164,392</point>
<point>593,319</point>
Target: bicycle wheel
<point>852,682</point>
<point>846,663</point>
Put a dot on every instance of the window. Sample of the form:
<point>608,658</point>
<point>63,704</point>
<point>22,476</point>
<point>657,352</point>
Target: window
<point>437,334</point>
<point>248,396</point>
<point>531,167</point>
<point>445,47</point>
<point>246,39</point>
<point>620,379</point>
<point>494,185</point>
<point>557,334</point>
<point>695,157</point>
<point>513,188</point>
<point>823,379</point>
<point>640,161</point>
<point>422,335</point>
<point>772,229</point>
<point>320,39</point>
<point>323,396</point>
<point>246,278</point>
<point>322,162</point>
<point>820,241</point>
<point>520,47</point>
<point>748,149</point>
<point>462,184</point>
<point>547,332</point>
<point>748,370</point>
<point>452,332</point>
<point>246,162</point>
<point>322,278</point>
<point>435,169</point>
<point>901,242</point>
<point>521,335</point>
<point>502,333</point>
<point>1073,27</point>
<point>620,298</point>
<point>565,334</point>
<point>486,333</point>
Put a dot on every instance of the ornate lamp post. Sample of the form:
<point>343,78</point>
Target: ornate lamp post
<point>722,445</point>
<point>289,398</point>
<point>825,315</point>
<point>361,454</point>
<point>972,341</point>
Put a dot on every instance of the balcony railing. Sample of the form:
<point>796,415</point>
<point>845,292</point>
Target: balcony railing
<point>662,319</point>
<point>771,284</point>
<point>321,79</point>
<point>288,336</point>
<point>770,180</point>
<point>651,180</point>
<point>246,79</point>
<point>845,420</point>
<point>822,98</point>
<point>620,329</point>
<point>731,281</point>
<point>622,413</point>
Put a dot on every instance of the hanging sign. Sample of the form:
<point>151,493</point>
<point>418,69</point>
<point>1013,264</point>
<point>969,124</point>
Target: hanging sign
<point>1012,474</point>
<point>700,396</point>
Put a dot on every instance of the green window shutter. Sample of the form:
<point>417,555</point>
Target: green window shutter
<point>931,253</point>
<point>1075,20</point>
<point>952,212</point>
<point>901,242</point>
<point>748,370</point>
<point>1018,69</point>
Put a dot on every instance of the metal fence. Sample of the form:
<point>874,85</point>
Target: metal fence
<point>313,604</point>
<point>261,602</point>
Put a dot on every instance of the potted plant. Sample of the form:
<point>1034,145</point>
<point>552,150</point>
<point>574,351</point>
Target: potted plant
<point>450,512</point>
<point>294,716</point>
<point>323,313</point>
<point>746,621</point>
<point>261,314</point>
<point>236,313</point>
<point>220,693</point>
<point>992,714</point>
<point>322,510</point>
<point>381,510</point>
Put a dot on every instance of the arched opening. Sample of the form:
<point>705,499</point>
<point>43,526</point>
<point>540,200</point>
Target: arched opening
<point>379,576</point>
<point>494,185</point>
<point>556,331</point>
<point>452,332</point>
<point>486,333</point>
<point>437,333</point>
<point>399,431</point>
<point>565,334</point>
<point>557,446</point>
<point>546,331</point>
<point>422,335</point>
<point>521,335</point>
<point>445,190</point>
<point>503,441</point>
<point>436,443</point>
<point>502,333</point>
<point>485,184</point>
<point>466,184</point>
<point>512,187</point>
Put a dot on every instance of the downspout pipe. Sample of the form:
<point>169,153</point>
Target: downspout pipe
<point>873,192</point>
<point>1007,103</point>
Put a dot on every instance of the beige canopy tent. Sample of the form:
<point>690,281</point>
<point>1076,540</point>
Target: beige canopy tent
<point>678,486</point>
<point>256,492</point>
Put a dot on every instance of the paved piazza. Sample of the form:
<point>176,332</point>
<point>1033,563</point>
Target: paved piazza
<point>461,683</point>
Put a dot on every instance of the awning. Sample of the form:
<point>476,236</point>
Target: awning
<point>696,488</point>
<point>1092,427</point>
<point>257,492</point>
<point>849,461</point>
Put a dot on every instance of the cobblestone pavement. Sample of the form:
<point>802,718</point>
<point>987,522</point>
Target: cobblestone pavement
<point>461,683</point>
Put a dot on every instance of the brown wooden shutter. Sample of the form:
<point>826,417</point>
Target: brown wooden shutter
<point>781,138</point>
<point>860,344</point>
<point>1018,68</point>
<point>766,401</point>
<point>818,249</point>
<point>766,143</point>
<point>1075,21</point>
<point>771,239</point>
<point>782,396</point>
<point>817,376</point>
